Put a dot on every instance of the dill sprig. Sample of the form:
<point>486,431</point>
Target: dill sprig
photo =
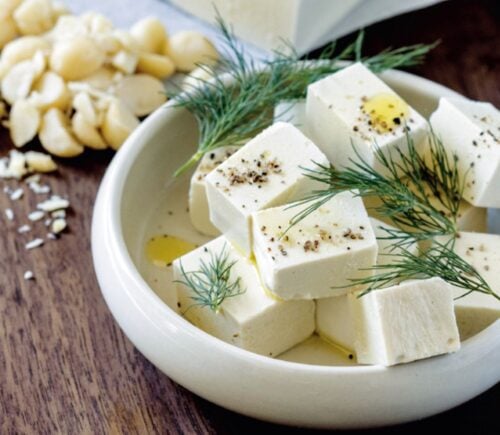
<point>439,261</point>
<point>211,284</point>
<point>231,109</point>
<point>440,173</point>
<point>400,186</point>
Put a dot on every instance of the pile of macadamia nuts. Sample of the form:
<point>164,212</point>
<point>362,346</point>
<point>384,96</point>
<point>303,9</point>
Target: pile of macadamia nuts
<point>76,81</point>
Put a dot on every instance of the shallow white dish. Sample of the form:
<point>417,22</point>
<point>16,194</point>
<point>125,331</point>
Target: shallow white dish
<point>132,205</point>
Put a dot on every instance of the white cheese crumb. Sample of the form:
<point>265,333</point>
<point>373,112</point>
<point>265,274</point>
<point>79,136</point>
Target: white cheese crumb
<point>24,229</point>
<point>47,222</point>
<point>28,275</point>
<point>58,225</point>
<point>36,215</point>
<point>53,204</point>
<point>9,214</point>
<point>51,236</point>
<point>35,243</point>
<point>17,194</point>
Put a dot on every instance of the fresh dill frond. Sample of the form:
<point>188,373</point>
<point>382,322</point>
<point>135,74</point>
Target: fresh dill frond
<point>402,57</point>
<point>211,284</point>
<point>400,186</point>
<point>439,261</point>
<point>441,174</point>
<point>231,109</point>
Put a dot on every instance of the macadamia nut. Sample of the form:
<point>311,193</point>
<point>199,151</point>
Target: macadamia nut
<point>76,58</point>
<point>188,49</point>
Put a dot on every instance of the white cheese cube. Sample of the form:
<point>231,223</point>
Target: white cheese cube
<point>292,111</point>
<point>319,255</point>
<point>268,171</point>
<point>471,131</point>
<point>252,320</point>
<point>477,311</point>
<point>352,110</point>
<point>405,322</point>
<point>469,218</point>
<point>306,24</point>
<point>198,201</point>
<point>334,321</point>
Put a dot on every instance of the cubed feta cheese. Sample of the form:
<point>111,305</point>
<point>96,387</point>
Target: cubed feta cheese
<point>251,320</point>
<point>268,171</point>
<point>477,311</point>
<point>334,321</point>
<point>198,201</point>
<point>470,130</point>
<point>292,111</point>
<point>318,255</point>
<point>405,322</point>
<point>354,109</point>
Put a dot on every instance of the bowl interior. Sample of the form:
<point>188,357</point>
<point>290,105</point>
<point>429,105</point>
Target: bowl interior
<point>155,203</point>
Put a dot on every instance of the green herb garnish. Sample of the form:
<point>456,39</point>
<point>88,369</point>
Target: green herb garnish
<point>211,284</point>
<point>401,187</point>
<point>439,261</point>
<point>231,110</point>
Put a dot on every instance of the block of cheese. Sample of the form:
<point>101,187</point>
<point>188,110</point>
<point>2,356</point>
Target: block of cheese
<point>469,218</point>
<point>266,172</point>
<point>471,131</point>
<point>406,322</point>
<point>292,111</point>
<point>317,255</point>
<point>198,201</point>
<point>354,110</point>
<point>304,23</point>
<point>477,311</point>
<point>252,320</point>
<point>334,321</point>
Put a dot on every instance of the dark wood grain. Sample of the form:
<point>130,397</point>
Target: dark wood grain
<point>65,367</point>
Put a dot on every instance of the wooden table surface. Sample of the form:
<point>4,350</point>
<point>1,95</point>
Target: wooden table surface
<point>65,366</point>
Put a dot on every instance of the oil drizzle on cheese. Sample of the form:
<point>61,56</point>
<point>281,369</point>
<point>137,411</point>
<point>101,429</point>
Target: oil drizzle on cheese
<point>385,112</point>
<point>164,249</point>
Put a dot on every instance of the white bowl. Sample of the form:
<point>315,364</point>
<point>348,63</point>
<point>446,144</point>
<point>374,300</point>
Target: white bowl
<point>131,206</point>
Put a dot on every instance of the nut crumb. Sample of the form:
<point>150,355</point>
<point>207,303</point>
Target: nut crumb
<point>28,275</point>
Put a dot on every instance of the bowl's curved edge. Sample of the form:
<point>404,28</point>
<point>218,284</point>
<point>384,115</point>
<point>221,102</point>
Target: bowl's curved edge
<point>174,345</point>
